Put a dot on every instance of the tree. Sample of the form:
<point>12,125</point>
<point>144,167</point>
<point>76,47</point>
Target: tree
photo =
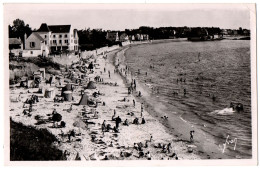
<point>18,29</point>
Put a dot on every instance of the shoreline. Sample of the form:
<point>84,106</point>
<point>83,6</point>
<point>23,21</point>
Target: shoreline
<point>204,147</point>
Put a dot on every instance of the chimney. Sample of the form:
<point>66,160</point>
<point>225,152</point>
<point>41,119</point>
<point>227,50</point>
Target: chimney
<point>25,37</point>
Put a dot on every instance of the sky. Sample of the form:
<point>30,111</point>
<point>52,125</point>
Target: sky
<point>130,16</point>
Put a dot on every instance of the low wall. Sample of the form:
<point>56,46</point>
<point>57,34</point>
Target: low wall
<point>104,50</point>
<point>31,53</point>
<point>16,51</point>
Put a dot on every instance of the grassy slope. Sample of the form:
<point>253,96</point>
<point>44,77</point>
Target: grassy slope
<point>29,144</point>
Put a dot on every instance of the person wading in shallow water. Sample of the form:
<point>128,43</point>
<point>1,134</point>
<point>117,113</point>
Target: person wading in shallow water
<point>191,135</point>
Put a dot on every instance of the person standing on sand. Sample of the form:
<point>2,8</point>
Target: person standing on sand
<point>134,102</point>
<point>118,120</point>
<point>109,74</point>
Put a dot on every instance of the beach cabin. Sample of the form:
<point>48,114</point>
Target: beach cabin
<point>15,46</point>
<point>42,71</point>
<point>37,76</point>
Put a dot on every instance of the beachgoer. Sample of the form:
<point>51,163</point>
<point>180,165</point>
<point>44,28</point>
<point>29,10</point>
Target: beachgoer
<point>103,127</point>
<point>169,148</point>
<point>54,111</point>
<point>111,144</point>
<point>148,155</point>
<point>136,146</point>
<point>184,92</point>
<point>118,121</point>
<point>151,138</point>
<point>114,117</point>
<point>142,108</point>
<point>139,94</point>
<point>126,123</point>
<point>115,129</point>
<point>134,103</point>
<point>136,121</point>
<point>143,121</point>
<point>191,135</point>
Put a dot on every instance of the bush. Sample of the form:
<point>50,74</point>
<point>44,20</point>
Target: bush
<point>30,144</point>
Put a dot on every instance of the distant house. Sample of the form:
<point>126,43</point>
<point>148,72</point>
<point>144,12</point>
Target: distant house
<point>137,36</point>
<point>51,38</point>
<point>224,32</point>
<point>112,36</point>
<point>131,37</point>
<point>145,37</point>
<point>15,46</point>
<point>123,37</point>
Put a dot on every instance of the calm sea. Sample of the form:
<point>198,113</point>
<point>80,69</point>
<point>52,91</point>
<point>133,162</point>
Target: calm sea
<point>213,74</point>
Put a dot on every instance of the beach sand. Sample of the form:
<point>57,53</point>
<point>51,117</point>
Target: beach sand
<point>90,142</point>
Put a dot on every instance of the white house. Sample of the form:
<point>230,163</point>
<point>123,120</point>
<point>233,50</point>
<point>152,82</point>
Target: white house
<point>112,36</point>
<point>51,38</point>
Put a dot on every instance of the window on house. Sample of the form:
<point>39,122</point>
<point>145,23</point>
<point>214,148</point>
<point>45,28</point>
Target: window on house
<point>72,35</point>
<point>54,41</point>
<point>75,41</point>
<point>45,36</point>
<point>32,44</point>
<point>60,41</point>
<point>31,52</point>
<point>66,41</point>
<point>60,36</point>
<point>66,35</point>
<point>54,36</point>
<point>45,42</point>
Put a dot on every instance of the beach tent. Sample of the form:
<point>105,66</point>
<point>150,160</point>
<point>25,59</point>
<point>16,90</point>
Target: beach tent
<point>52,79</point>
<point>68,87</point>
<point>84,99</point>
<point>91,85</point>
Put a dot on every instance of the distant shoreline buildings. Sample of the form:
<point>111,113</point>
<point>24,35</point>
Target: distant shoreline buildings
<point>56,39</point>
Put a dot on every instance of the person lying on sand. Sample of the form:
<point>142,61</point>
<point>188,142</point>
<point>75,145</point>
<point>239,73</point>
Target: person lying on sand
<point>116,130</point>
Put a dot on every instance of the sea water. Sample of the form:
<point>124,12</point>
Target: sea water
<point>213,74</point>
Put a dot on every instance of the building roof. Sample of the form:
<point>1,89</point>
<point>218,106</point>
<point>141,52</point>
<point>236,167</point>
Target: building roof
<point>14,41</point>
<point>43,28</point>
<point>38,36</point>
<point>60,28</point>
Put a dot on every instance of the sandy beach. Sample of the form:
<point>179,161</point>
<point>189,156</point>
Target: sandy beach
<point>90,143</point>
